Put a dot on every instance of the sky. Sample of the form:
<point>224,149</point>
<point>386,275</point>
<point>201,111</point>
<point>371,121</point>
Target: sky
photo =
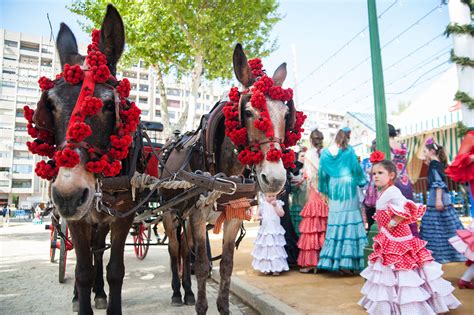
<point>324,42</point>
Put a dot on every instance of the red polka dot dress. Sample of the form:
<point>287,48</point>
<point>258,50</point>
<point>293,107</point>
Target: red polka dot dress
<point>402,277</point>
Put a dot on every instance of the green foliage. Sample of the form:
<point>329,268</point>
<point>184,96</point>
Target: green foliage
<point>459,29</point>
<point>462,129</point>
<point>465,99</point>
<point>462,61</point>
<point>175,34</point>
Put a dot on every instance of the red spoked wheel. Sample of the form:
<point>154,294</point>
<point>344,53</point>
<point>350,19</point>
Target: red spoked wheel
<point>53,239</point>
<point>65,246</point>
<point>141,240</point>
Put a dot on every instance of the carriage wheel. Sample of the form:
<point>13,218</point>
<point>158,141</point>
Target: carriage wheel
<point>141,240</point>
<point>52,247</point>
<point>63,252</point>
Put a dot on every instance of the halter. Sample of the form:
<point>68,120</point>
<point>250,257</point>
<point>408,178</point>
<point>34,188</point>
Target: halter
<point>101,162</point>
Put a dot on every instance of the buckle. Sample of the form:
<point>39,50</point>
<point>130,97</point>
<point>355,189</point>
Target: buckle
<point>226,181</point>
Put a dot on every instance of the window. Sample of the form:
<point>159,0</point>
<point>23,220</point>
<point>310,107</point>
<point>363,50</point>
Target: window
<point>20,127</point>
<point>4,169</point>
<point>143,88</point>
<point>198,106</point>
<point>143,100</point>
<point>6,112</point>
<point>22,155</point>
<point>46,62</point>
<point>157,101</point>
<point>9,57</point>
<point>6,125</point>
<point>22,169</point>
<point>173,92</point>
<point>29,46</point>
<point>174,104</point>
<point>144,113</point>
<point>144,76</point>
<point>172,115</point>
<point>6,71</point>
<point>10,43</point>
<point>5,154</point>
<point>7,84</point>
<point>157,113</point>
<point>21,183</point>
<point>4,183</point>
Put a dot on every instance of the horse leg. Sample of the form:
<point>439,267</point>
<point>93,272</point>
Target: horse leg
<point>173,249</point>
<point>231,228</point>
<point>75,299</point>
<point>81,238</point>
<point>116,268</point>
<point>186,244</point>
<point>201,264</point>
<point>98,246</point>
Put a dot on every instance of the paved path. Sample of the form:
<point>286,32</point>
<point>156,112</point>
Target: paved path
<point>29,282</point>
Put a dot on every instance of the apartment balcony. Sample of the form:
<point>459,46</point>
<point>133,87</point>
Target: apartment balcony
<point>5,189</point>
<point>10,64</point>
<point>22,175</point>
<point>21,120</point>
<point>5,176</point>
<point>7,90</point>
<point>22,190</point>
<point>20,147</point>
<point>27,52</point>
<point>7,105</point>
<point>9,77</point>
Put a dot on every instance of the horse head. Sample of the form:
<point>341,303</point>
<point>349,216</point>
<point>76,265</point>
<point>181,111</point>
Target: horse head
<point>73,188</point>
<point>278,115</point>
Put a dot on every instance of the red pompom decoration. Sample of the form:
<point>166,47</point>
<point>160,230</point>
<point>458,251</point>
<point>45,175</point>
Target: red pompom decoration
<point>78,131</point>
<point>256,67</point>
<point>67,158</point>
<point>123,88</point>
<point>100,74</point>
<point>288,159</point>
<point>73,74</point>
<point>96,58</point>
<point>45,83</point>
<point>46,170</point>
<point>113,169</point>
<point>41,148</point>
<point>28,113</point>
<point>91,105</point>
<point>234,94</point>
<point>273,155</point>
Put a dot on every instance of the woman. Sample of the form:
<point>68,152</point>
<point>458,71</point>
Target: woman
<point>315,211</point>
<point>298,190</point>
<point>339,176</point>
<point>399,153</point>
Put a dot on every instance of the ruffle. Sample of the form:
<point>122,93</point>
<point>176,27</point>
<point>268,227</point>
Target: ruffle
<point>271,229</point>
<point>274,265</point>
<point>461,170</point>
<point>462,247</point>
<point>410,212</point>
<point>417,291</point>
<point>270,240</point>
<point>438,184</point>
<point>402,255</point>
<point>269,252</point>
<point>313,225</point>
<point>311,241</point>
<point>315,208</point>
<point>308,258</point>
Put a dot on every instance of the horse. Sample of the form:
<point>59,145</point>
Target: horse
<point>220,150</point>
<point>77,192</point>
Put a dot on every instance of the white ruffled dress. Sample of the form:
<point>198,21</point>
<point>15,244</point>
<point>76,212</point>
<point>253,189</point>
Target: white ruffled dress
<point>269,252</point>
<point>402,277</point>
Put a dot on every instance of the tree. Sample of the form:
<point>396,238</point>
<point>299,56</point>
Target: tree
<point>189,37</point>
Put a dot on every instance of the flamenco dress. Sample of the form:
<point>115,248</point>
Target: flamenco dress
<point>438,226</point>
<point>269,254</point>
<point>339,176</point>
<point>315,216</point>
<point>402,277</point>
<point>462,168</point>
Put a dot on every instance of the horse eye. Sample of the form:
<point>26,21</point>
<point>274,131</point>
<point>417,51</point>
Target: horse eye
<point>248,113</point>
<point>108,105</point>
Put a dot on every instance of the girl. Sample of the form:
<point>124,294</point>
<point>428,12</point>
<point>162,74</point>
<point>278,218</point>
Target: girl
<point>440,221</point>
<point>402,277</point>
<point>463,242</point>
<point>315,212</point>
<point>269,252</point>
<point>339,175</point>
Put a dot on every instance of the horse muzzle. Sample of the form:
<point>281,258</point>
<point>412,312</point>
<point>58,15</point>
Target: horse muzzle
<point>72,205</point>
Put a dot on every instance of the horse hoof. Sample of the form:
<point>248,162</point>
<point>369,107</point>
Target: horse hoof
<point>189,299</point>
<point>176,301</point>
<point>75,306</point>
<point>100,303</point>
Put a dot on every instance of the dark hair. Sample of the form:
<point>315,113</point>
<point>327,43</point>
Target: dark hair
<point>316,138</point>
<point>389,166</point>
<point>392,132</point>
<point>342,139</point>
<point>439,151</point>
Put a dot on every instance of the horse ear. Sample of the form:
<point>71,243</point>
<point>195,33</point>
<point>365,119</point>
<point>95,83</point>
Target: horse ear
<point>43,118</point>
<point>67,46</point>
<point>291,118</point>
<point>241,67</point>
<point>112,37</point>
<point>280,75</point>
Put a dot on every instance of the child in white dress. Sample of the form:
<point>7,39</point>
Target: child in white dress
<point>269,252</point>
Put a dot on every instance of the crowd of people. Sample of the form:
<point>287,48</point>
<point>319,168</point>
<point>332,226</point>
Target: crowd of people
<point>335,199</point>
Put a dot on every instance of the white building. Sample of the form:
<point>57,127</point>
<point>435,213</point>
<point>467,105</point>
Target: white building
<point>24,59</point>
<point>362,131</point>
<point>327,123</point>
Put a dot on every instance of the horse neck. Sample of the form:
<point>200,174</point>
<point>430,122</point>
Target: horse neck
<point>227,162</point>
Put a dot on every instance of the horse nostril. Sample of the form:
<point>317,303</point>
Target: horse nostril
<point>84,196</point>
<point>265,179</point>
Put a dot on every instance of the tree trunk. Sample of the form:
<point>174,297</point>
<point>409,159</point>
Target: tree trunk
<point>165,119</point>
<point>196,82</point>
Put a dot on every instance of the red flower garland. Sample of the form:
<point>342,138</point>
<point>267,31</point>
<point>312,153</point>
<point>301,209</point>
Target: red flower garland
<point>108,164</point>
<point>250,155</point>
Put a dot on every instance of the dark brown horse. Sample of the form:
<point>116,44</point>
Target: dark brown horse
<point>74,190</point>
<point>271,178</point>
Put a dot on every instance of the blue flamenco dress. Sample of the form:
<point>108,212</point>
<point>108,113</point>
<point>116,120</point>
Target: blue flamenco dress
<point>438,226</point>
<point>339,176</point>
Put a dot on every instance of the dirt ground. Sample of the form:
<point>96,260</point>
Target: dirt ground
<point>323,293</point>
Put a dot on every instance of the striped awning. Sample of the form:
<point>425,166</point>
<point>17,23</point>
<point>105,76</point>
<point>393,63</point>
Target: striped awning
<point>446,136</point>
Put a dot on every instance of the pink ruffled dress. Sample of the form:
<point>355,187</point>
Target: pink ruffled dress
<point>402,277</point>
<point>463,242</point>
<point>315,216</point>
